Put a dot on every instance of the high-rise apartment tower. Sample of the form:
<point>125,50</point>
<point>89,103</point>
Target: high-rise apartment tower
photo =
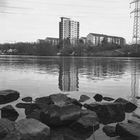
<point>68,29</point>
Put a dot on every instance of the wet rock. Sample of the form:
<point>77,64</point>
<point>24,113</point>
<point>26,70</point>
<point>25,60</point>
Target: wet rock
<point>9,113</point>
<point>128,106</point>
<point>35,114</point>
<point>83,98</point>
<point>56,99</point>
<point>63,100</point>
<point>43,102</point>
<point>110,131</point>
<point>130,129</point>
<point>27,129</point>
<point>6,127</point>
<point>31,129</point>
<point>29,107</point>
<point>59,99</point>
<point>108,99</point>
<point>108,112</point>
<point>13,136</point>
<point>58,116</point>
<point>7,96</point>
<point>98,97</point>
<point>22,105</point>
<point>65,133</point>
<point>86,123</point>
<point>137,97</point>
<point>75,102</point>
<point>27,99</point>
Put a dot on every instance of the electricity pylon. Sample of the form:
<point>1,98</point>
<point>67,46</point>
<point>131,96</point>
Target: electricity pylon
<point>136,25</point>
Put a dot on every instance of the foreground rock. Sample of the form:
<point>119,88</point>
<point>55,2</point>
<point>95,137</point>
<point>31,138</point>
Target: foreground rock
<point>128,106</point>
<point>130,129</point>
<point>35,114</point>
<point>63,100</point>
<point>83,98</point>
<point>110,131</point>
<point>108,99</point>
<point>27,99</point>
<point>59,116</point>
<point>86,123</point>
<point>56,99</point>
<point>9,113</point>
<point>108,112</point>
<point>98,97</point>
<point>65,133</point>
<point>6,127</point>
<point>43,102</point>
<point>31,129</point>
<point>7,96</point>
<point>29,107</point>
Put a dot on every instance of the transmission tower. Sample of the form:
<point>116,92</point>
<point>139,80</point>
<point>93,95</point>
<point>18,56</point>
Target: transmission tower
<point>136,26</point>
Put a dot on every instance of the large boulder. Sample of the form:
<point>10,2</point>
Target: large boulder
<point>31,129</point>
<point>108,112</point>
<point>130,129</point>
<point>9,113</point>
<point>88,122</point>
<point>59,99</point>
<point>35,114</point>
<point>63,100</point>
<point>110,131</point>
<point>31,108</point>
<point>56,99</point>
<point>43,102</point>
<point>65,133</point>
<point>128,106</point>
<point>58,116</point>
<point>6,127</point>
<point>7,96</point>
<point>84,98</point>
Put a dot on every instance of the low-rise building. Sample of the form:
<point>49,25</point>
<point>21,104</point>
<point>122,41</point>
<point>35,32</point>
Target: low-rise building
<point>98,39</point>
<point>52,41</point>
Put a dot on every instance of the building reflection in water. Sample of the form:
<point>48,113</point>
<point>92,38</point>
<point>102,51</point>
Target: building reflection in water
<point>68,76</point>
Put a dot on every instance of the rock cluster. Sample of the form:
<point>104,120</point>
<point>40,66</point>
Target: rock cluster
<point>60,117</point>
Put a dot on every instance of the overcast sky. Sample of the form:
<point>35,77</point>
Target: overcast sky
<point>29,20</point>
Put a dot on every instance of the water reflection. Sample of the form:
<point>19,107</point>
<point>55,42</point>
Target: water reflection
<point>118,76</point>
<point>134,81</point>
<point>71,69</point>
<point>68,76</point>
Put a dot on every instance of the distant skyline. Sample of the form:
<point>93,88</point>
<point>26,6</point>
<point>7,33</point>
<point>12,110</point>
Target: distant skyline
<point>29,20</point>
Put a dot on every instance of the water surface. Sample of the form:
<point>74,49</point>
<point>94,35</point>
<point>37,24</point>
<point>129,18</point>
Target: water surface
<point>42,76</point>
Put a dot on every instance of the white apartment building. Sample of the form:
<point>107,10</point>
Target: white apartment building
<point>68,29</point>
<point>97,39</point>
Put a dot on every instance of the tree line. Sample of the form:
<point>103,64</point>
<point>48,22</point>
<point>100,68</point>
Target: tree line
<point>65,48</point>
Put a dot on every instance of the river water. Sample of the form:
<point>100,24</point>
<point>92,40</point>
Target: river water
<point>42,76</point>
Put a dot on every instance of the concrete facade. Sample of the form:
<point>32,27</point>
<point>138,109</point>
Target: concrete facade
<point>68,29</point>
<point>98,39</point>
<point>52,41</point>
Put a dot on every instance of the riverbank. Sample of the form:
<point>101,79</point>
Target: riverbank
<point>59,116</point>
<point>46,49</point>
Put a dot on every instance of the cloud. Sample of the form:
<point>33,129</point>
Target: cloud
<point>3,4</point>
